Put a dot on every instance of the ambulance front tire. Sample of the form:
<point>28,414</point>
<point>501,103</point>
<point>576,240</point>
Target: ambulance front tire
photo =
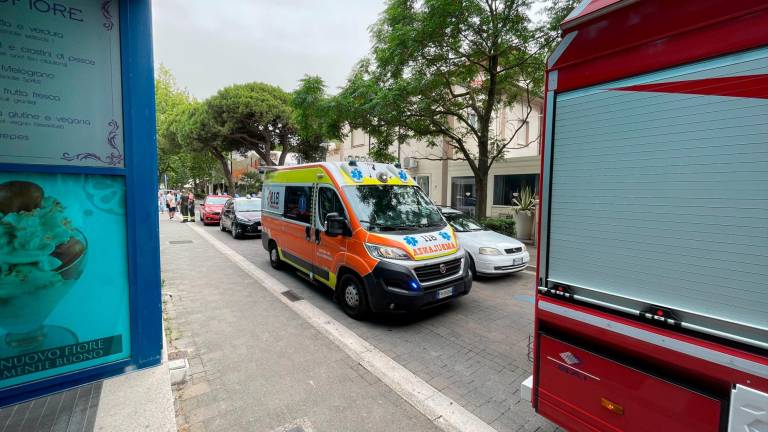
<point>274,256</point>
<point>352,297</point>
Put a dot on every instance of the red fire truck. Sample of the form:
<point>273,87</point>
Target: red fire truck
<point>652,301</point>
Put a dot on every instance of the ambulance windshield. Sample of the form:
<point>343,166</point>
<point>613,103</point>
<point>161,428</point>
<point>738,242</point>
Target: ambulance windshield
<point>393,208</point>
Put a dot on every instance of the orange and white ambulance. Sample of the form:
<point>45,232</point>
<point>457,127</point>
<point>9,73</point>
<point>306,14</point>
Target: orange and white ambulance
<point>367,231</point>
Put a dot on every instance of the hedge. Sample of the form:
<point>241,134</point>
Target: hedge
<point>505,226</point>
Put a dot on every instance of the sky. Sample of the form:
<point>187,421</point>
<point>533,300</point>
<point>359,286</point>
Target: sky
<point>209,45</point>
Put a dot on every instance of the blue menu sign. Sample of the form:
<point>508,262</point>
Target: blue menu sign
<point>79,277</point>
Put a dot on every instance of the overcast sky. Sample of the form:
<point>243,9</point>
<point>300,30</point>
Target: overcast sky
<point>209,45</point>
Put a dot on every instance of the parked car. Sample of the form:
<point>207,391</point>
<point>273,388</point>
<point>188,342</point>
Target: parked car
<point>210,209</point>
<point>242,217</point>
<point>490,253</point>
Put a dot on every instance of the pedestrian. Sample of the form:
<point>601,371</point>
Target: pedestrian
<point>161,204</point>
<point>170,201</point>
<point>191,207</point>
<point>184,204</point>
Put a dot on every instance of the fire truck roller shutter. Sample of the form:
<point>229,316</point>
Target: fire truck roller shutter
<point>660,190</point>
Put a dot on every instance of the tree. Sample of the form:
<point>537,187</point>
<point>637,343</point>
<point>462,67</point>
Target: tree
<point>169,100</point>
<point>441,69</point>
<point>315,117</point>
<point>555,13</point>
<point>252,117</point>
<point>251,180</point>
<point>194,130</point>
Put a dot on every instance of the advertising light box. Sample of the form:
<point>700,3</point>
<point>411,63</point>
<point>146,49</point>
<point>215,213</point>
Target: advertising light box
<point>79,275</point>
<point>63,274</point>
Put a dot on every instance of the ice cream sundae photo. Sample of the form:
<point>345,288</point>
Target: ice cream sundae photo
<point>41,257</point>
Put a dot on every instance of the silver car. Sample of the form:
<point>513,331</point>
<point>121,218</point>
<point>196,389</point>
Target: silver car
<point>490,253</point>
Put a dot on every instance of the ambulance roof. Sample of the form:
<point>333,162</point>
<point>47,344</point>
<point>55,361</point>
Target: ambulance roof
<point>341,173</point>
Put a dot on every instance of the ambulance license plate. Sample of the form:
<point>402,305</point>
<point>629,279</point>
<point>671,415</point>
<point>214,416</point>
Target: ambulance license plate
<point>443,293</point>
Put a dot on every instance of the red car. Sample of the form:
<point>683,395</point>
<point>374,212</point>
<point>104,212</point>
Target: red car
<point>210,209</point>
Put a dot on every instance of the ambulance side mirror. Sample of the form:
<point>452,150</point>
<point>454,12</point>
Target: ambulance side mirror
<point>335,225</point>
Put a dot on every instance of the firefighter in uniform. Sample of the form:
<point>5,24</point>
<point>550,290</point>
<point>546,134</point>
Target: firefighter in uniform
<point>184,204</point>
<point>191,207</point>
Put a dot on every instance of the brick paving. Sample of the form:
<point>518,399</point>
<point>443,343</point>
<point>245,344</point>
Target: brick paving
<point>254,364</point>
<point>475,350</point>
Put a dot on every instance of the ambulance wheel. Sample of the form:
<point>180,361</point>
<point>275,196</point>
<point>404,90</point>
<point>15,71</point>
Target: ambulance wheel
<point>274,257</point>
<point>352,297</point>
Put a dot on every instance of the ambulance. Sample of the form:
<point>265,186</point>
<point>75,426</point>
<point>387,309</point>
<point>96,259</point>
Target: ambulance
<point>367,231</point>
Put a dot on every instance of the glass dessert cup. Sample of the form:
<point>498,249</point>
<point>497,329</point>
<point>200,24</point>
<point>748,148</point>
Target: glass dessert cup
<point>23,315</point>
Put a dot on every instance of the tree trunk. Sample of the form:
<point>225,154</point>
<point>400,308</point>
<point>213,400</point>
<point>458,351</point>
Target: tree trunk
<point>481,192</point>
<point>227,173</point>
<point>284,151</point>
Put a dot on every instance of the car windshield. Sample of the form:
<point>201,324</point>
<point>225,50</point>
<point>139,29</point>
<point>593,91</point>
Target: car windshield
<point>250,204</point>
<point>393,208</point>
<point>216,200</point>
<point>462,223</point>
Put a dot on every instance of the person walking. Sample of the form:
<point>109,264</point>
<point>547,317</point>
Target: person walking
<point>161,204</point>
<point>170,201</point>
<point>191,206</point>
<point>184,204</point>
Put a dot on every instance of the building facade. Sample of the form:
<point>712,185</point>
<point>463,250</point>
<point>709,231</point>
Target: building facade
<point>450,182</point>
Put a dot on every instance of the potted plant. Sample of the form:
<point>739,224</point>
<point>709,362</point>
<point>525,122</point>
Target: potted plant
<point>524,204</point>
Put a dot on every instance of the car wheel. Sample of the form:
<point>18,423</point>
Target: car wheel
<point>274,257</point>
<point>235,230</point>
<point>352,297</point>
<point>221,226</point>
<point>472,267</point>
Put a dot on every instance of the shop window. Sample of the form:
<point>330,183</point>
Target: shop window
<point>505,186</point>
<point>423,182</point>
<point>463,196</point>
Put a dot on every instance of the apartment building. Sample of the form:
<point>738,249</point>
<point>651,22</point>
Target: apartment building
<point>450,182</point>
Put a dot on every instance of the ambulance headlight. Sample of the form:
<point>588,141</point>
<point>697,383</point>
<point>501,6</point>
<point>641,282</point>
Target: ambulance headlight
<point>386,252</point>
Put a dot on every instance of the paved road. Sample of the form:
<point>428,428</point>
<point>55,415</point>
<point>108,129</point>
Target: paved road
<point>474,350</point>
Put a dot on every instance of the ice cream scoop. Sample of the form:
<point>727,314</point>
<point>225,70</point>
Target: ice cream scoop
<point>68,253</point>
<point>18,196</point>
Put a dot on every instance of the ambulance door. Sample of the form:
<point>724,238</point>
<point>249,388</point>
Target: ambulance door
<point>298,245</point>
<point>329,250</point>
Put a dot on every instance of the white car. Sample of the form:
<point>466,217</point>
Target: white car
<point>490,253</point>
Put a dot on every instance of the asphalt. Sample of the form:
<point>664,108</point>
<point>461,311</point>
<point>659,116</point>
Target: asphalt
<point>475,350</point>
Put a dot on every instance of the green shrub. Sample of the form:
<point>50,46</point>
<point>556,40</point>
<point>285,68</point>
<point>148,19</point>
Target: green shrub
<point>505,226</point>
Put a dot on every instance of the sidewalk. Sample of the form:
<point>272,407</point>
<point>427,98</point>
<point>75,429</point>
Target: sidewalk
<point>256,365</point>
<point>136,401</point>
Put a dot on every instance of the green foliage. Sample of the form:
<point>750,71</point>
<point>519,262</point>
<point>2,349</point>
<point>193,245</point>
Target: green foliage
<point>555,13</point>
<point>251,117</point>
<point>315,117</point>
<point>504,226</point>
<point>525,200</point>
<point>252,181</point>
<point>443,69</point>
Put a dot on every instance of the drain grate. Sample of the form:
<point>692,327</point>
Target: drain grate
<point>292,296</point>
<point>180,241</point>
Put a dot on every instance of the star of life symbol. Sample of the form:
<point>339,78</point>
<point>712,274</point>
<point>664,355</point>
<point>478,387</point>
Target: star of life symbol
<point>569,358</point>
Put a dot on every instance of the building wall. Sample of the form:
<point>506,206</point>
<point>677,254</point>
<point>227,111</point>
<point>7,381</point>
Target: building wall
<point>520,158</point>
